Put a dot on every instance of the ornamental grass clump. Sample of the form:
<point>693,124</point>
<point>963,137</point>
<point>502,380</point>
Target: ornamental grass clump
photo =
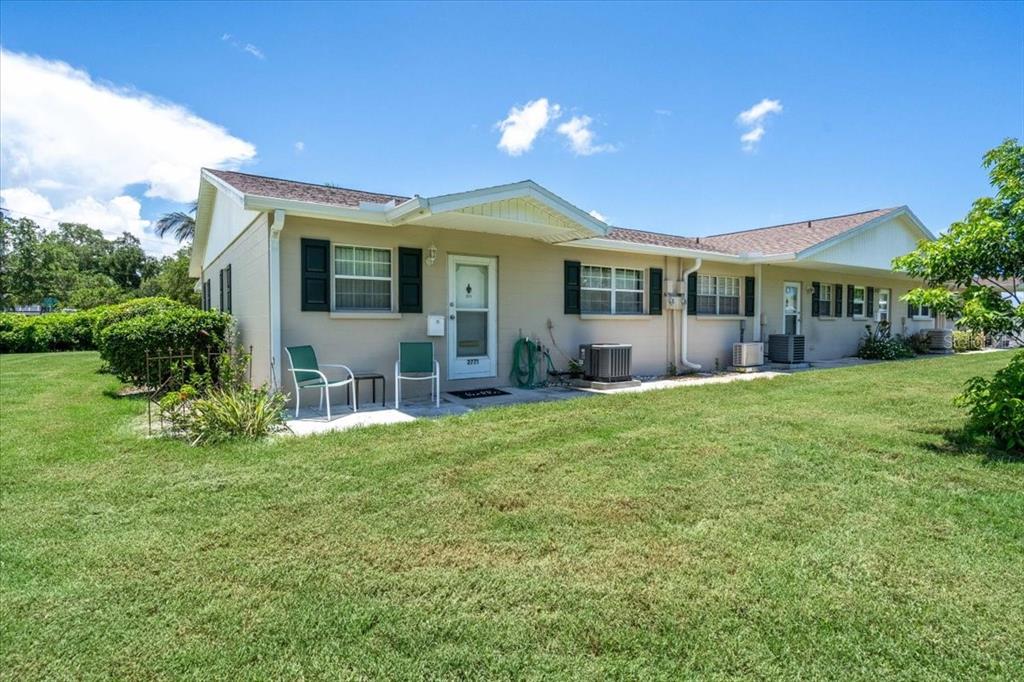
<point>878,344</point>
<point>214,405</point>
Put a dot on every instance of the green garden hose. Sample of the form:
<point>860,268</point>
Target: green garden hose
<point>525,356</point>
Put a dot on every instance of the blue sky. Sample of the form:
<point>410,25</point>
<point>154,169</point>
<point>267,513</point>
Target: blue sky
<point>870,105</point>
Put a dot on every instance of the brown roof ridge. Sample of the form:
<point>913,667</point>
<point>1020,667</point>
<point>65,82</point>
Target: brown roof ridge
<point>303,182</point>
<point>798,222</point>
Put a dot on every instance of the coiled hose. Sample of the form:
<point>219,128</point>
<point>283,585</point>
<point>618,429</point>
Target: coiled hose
<point>525,356</point>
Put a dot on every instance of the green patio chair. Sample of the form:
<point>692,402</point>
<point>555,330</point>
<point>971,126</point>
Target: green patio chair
<point>416,363</point>
<point>306,374</point>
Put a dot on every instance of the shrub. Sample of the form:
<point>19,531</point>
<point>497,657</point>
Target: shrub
<point>104,316</point>
<point>919,342</point>
<point>879,345</point>
<point>124,344</point>
<point>964,341</point>
<point>73,331</point>
<point>241,412</point>
<point>996,406</point>
<point>43,333</point>
<point>219,404</point>
<point>16,334</point>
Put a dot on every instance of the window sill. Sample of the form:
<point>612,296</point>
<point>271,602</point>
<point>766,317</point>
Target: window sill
<point>722,317</point>
<point>918,318</point>
<point>608,316</point>
<point>368,315</point>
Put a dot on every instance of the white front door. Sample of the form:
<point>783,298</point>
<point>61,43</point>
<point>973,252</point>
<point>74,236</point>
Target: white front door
<point>791,308</point>
<point>472,317</point>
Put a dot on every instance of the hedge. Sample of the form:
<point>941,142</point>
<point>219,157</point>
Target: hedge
<point>966,340</point>
<point>72,331</point>
<point>124,344</point>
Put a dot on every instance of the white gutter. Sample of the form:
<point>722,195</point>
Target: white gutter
<point>685,278</point>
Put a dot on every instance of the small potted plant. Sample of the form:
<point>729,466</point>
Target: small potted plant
<point>575,368</point>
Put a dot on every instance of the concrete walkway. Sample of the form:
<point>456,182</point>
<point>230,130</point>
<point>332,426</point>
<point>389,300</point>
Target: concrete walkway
<point>311,421</point>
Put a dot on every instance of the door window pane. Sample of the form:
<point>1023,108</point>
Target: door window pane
<point>471,334</point>
<point>470,286</point>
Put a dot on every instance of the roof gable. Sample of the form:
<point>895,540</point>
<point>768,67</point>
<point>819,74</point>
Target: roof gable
<point>791,238</point>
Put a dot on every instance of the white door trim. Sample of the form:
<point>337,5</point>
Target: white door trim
<point>483,366</point>
<point>799,305</point>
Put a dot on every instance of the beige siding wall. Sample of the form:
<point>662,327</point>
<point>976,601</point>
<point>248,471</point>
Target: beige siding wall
<point>833,338</point>
<point>711,337</point>
<point>530,295</point>
<point>248,256</point>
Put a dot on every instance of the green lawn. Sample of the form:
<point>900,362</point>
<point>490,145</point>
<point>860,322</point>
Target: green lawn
<point>820,525</point>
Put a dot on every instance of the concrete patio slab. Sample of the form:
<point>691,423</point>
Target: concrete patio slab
<point>312,421</point>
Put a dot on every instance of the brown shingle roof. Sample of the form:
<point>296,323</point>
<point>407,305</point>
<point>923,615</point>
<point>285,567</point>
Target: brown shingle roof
<point>777,239</point>
<point>791,237</point>
<point>624,234</point>
<point>277,188</point>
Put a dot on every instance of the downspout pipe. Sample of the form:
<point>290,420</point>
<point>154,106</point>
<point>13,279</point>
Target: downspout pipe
<point>683,343</point>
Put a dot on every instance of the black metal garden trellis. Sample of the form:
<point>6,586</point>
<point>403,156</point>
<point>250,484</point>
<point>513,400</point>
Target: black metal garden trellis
<point>163,371</point>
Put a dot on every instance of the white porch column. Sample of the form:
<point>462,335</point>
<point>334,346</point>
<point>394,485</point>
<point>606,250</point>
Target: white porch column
<point>758,323</point>
<point>275,296</point>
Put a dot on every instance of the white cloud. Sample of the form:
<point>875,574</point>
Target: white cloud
<point>79,145</point>
<point>753,118</point>
<point>663,112</point>
<point>247,47</point>
<point>596,214</point>
<point>113,217</point>
<point>523,124</point>
<point>581,137</point>
<point>300,147</point>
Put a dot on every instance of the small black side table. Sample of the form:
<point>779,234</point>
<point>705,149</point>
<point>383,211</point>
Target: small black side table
<point>372,377</point>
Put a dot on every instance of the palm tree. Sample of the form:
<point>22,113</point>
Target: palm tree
<point>183,225</point>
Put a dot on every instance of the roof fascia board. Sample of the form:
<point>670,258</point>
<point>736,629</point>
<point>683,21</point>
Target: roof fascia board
<point>223,186</point>
<point>309,209</point>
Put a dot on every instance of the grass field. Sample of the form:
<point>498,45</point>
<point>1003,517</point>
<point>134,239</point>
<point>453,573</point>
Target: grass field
<point>822,525</point>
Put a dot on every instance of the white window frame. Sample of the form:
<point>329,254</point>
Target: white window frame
<point>888,305</point>
<point>822,298</point>
<point>614,289</point>
<point>923,318</point>
<point>863,302</point>
<point>716,286</point>
<point>335,277</point>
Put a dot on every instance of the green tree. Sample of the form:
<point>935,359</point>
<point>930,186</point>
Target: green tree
<point>179,223</point>
<point>172,279</point>
<point>975,271</point>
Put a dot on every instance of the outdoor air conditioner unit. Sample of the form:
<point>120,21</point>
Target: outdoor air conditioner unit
<point>747,354</point>
<point>607,361</point>
<point>788,348</point>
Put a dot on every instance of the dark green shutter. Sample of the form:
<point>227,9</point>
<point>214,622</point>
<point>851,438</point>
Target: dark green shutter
<point>572,287</point>
<point>748,297</point>
<point>837,294</point>
<point>220,288</point>
<point>316,274</point>
<point>410,280</point>
<point>815,298</point>
<point>691,293</point>
<point>654,292</point>
<point>849,300</point>
<point>870,302</point>
<point>227,287</point>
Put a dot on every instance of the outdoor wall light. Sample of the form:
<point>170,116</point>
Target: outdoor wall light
<point>431,254</point>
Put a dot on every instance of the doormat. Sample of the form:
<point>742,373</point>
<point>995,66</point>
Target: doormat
<point>479,393</point>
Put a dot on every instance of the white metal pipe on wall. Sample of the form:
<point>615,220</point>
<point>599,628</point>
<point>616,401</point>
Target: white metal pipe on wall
<point>683,279</point>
